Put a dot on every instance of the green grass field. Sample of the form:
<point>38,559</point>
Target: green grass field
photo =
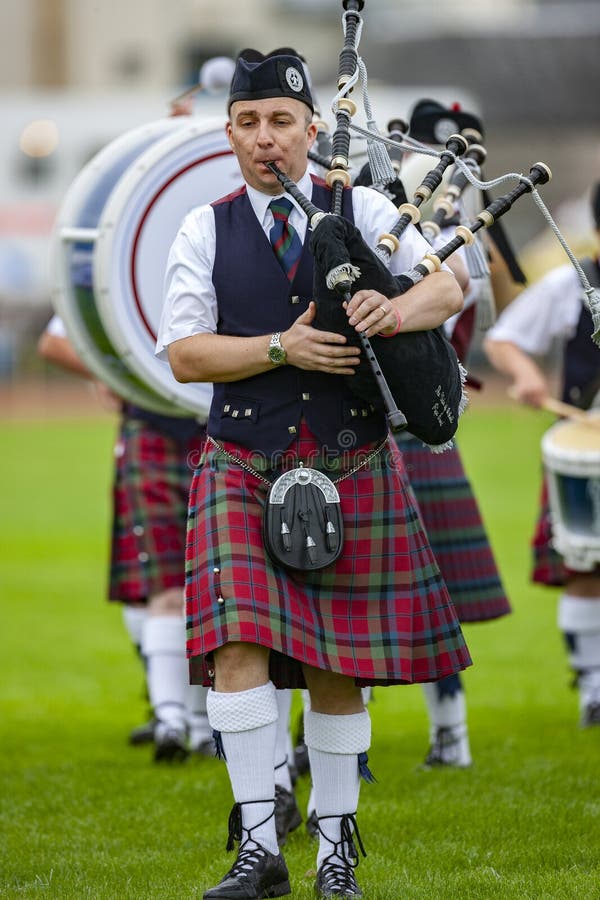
<point>83,815</point>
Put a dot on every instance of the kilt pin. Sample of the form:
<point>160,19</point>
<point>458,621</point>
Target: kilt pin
<point>153,474</point>
<point>381,614</point>
<point>455,529</point>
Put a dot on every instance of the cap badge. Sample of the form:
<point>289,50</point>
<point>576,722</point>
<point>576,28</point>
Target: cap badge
<point>443,128</point>
<point>294,79</point>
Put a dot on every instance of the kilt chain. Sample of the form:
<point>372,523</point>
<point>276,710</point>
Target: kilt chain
<point>248,468</point>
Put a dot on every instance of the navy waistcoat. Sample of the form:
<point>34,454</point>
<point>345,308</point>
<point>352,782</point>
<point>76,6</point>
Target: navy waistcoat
<point>254,297</point>
<point>581,362</point>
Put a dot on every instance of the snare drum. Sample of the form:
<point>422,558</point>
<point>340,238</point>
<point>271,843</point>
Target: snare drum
<point>571,454</point>
<point>110,247</point>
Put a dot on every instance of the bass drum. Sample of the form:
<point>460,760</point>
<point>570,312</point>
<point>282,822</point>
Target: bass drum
<point>192,166</point>
<point>100,246</point>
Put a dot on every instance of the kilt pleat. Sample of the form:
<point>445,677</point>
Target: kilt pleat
<point>153,475</point>
<point>380,614</point>
<point>456,530</point>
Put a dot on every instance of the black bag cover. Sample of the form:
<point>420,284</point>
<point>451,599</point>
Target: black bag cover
<point>420,367</point>
<point>303,527</point>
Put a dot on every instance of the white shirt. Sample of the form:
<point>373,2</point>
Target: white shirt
<point>56,327</point>
<point>548,309</point>
<point>190,300</point>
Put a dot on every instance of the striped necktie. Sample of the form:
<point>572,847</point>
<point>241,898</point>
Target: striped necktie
<point>284,238</point>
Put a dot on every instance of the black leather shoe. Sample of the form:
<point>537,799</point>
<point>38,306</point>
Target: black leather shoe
<point>204,748</point>
<point>170,744</point>
<point>335,875</point>
<point>256,874</point>
<point>301,760</point>
<point>590,715</point>
<point>143,734</point>
<point>335,878</point>
<point>312,825</point>
<point>287,814</point>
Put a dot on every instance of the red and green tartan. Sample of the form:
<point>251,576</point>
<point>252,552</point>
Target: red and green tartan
<point>455,529</point>
<point>548,565</point>
<point>380,614</point>
<point>150,496</point>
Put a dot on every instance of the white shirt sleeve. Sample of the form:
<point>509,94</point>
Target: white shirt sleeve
<point>56,327</point>
<point>374,214</point>
<point>190,305</point>
<point>547,310</point>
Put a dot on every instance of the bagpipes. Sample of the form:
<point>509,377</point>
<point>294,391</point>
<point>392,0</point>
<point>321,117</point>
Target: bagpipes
<point>415,377</point>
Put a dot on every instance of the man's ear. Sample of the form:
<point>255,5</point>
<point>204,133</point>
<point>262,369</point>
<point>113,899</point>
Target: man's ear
<point>228,132</point>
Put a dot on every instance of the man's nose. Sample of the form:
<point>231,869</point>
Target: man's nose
<point>264,133</point>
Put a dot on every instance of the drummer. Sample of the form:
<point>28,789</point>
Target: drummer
<point>150,492</point>
<point>554,309</point>
<point>239,314</point>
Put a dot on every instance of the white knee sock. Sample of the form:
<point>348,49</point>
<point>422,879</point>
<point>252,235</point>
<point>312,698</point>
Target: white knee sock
<point>134,619</point>
<point>334,743</point>
<point>447,711</point>
<point>247,722</point>
<point>579,620</point>
<point>197,717</point>
<point>282,772</point>
<point>163,644</point>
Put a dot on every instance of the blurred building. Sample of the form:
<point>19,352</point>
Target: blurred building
<point>74,74</point>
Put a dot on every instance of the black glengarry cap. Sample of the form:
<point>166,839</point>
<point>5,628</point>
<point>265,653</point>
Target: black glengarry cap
<point>259,77</point>
<point>433,123</point>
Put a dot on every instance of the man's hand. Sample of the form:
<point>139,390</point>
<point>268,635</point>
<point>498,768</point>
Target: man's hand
<point>372,313</point>
<point>318,351</point>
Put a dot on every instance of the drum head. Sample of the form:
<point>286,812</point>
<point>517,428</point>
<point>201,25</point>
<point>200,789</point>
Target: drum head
<point>71,254</point>
<point>191,167</point>
<point>571,454</point>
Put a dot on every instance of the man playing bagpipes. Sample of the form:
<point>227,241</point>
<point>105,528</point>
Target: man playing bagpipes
<point>348,593</point>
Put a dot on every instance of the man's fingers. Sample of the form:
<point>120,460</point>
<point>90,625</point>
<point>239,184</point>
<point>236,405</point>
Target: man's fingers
<point>308,315</point>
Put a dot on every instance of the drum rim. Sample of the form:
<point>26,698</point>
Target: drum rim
<point>69,211</point>
<point>574,461</point>
<point>193,398</point>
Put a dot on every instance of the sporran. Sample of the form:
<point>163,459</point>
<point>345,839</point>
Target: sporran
<point>303,525</point>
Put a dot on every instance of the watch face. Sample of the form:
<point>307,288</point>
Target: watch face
<point>277,354</point>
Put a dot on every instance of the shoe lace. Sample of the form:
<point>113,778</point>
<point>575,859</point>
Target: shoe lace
<point>236,830</point>
<point>246,861</point>
<point>337,867</point>
<point>339,876</point>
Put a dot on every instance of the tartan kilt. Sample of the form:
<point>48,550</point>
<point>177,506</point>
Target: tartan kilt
<point>548,565</point>
<point>455,529</point>
<point>380,614</point>
<point>153,473</point>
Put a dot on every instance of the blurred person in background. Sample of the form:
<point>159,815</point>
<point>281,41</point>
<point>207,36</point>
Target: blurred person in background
<point>154,458</point>
<point>443,491</point>
<point>147,566</point>
<point>554,310</point>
